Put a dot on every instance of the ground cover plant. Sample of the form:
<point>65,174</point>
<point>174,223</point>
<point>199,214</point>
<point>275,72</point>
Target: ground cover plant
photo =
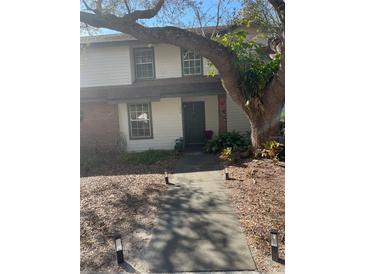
<point>271,150</point>
<point>234,140</point>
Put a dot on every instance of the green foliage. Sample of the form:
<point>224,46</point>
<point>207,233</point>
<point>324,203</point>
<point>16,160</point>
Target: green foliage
<point>262,15</point>
<point>211,69</point>
<point>146,157</point>
<point>90,161</point>
<point>282,128</point>
<point>270,149</point>
<point>256,78</point>
<point>87,165</point>
<point>233,140</point>
<point>256,68</point>
<point>226,154</point>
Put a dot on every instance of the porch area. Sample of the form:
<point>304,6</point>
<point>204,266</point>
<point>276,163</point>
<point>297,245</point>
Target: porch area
<point>153,114</point>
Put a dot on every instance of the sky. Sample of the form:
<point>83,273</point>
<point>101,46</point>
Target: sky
<point>208,5</point>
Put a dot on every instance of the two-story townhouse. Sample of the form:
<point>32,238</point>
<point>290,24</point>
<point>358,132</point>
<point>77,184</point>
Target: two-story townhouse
<point>145,96</point>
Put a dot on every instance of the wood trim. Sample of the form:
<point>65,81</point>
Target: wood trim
<point>222,113</point>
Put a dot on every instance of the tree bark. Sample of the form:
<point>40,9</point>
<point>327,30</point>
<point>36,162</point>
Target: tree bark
<point>264,125</point>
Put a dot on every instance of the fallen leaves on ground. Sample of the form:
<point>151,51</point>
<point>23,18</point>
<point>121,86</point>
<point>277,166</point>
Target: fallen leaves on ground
<point>123,204</point>
<point>257,189</point>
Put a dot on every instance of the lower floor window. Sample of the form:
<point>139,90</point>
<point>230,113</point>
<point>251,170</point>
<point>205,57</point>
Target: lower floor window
<point>140,126</point>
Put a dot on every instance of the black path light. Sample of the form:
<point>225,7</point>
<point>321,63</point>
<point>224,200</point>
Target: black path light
<point>166,178</point>
<point>274,245</point>
<point>119,249</point>
<point>226,173</point>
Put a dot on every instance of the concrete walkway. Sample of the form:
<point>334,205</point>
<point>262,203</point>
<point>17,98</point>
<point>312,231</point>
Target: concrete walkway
<point>197,229</point>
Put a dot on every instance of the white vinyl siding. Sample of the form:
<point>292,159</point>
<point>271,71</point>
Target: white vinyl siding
<point>105,66</point>
<point>166,124</point>
<point>236,118</point>
<point>211,110</point>
<point>167,61</point>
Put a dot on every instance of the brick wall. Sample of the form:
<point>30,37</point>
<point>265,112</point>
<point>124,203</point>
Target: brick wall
<point>99,127</point>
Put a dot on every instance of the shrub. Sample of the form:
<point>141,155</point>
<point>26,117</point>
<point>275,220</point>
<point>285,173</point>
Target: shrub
<point>179,145</point>
<point>86,166</point>
<point>226,154</point>
<point>233,140</point>
<point>90,161</point>
<point>271,149</point>
<point>282,128</point>
<point>146,157</point>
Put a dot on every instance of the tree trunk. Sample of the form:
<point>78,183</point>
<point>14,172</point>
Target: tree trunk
<point>265,129</point>
<point>265,124</point>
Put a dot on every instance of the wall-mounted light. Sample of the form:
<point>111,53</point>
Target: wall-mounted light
<point>226,173</point>
<point>166,177</point>
<point>119,249</point>
<point>274,245</point>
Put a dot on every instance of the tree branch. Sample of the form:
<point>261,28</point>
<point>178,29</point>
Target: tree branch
<point>144,14</point>
<point>279,6</point>
<point>199,18</point>
<point>99,5</point>
<point>218,17</point>
<point>127,6</point>
<point>219,55</point>
<point>87,6</point>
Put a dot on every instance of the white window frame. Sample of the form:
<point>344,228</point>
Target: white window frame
<point>148,120</point>
<point>144,63</point>
<point>197,57</point>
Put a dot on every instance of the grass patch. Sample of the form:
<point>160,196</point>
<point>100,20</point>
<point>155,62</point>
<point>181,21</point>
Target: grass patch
<point>146,157</point>
<point>91,161</point>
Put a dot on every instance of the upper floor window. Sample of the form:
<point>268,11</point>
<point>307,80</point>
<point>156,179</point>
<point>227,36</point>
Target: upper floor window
<point>192,63</point>
<point>143,58</point>
<point>140,126</point>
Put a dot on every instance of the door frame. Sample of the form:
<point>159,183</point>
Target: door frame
<point>183,119</point>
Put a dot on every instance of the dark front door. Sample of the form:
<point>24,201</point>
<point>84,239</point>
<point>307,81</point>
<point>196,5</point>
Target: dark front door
<point>194,123</point>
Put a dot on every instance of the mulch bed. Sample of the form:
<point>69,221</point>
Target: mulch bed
<point>257,190</point>
<point>108,164</point>
<point>127,204</point>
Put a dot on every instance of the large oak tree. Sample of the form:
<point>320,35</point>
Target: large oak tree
<point>263,109</point>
